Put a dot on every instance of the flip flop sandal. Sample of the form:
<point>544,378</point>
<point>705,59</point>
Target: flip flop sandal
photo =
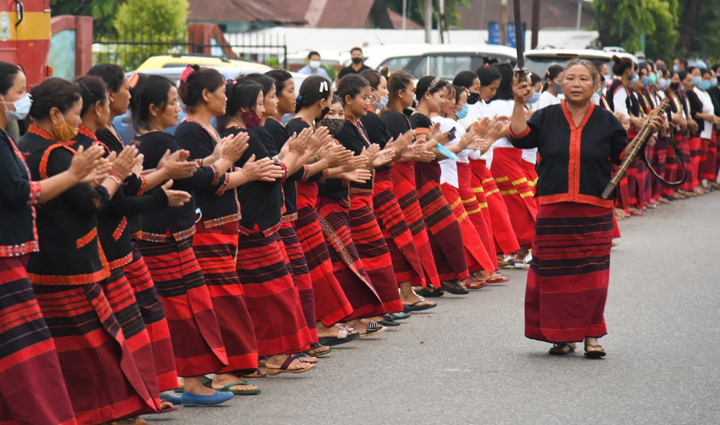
<point>562,348</point>
<point>163,410</point>
<point>343,338</point>
<point>496,278</point>
<point>257,374</point>
<point>388,321</point>
<point>414,307</point>
<point>261,361</point>
<point>373,328</point>
<point>273,371</point>
<point>400,315</point>
<point>305,358</point>
<point>454,287</point>
<point>595,354</point>
<point>313,347</point>
<point>226,388</point>
<point>430,292</point>
<point>131,421</point>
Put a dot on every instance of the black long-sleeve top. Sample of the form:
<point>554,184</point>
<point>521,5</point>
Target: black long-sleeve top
<point>295,125</point>
<point>67,225</point>
<point>421,123</point>
<point>354,138</point>
<point>18,197</point>
<point>217,205</point>
<point>377,132</point>
<point>177,223</point>
<point>261,203</point>
<point>577,162</point>
<point>696,107</point>
<point>129,200</point>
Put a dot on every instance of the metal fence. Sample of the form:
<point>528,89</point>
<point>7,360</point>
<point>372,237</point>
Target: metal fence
<point>132,48</point>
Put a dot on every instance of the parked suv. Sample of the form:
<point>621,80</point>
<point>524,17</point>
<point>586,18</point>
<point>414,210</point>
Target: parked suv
<point>442,60</point>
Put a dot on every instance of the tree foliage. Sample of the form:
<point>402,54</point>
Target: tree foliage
<point>416,10</point>
<point>699,29</point>
<point>158,26</point>
<point>103,13</point>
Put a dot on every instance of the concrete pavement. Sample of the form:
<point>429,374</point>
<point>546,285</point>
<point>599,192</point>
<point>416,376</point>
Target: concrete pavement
<point>467,361</point>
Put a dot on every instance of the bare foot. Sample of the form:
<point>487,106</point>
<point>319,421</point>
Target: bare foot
<point>409,297</point>
<point>195,385</point>
<point>276,362</point>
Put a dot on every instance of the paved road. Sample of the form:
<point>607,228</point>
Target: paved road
<point>469,363</point>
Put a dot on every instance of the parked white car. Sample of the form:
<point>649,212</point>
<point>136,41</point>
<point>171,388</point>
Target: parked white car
<point>539,60</point>
<point>443,60</point>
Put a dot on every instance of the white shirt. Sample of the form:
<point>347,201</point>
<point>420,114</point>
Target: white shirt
<point>619,98</point>
<point>708,108</point>
<point>475,112</point>
<point>499,108</point>
<point>449,166</point>
<point>547,99</point>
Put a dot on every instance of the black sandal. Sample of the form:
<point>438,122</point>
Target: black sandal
<point>429,292</point>
<point>599,351</point>
<point>373,328</point>
<point>454,287</point>
<point>561,348</point>
<point>388,321</point>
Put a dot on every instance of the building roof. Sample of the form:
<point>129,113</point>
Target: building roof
<point>397,19</point>
<point>553,14</point>
<point>244,11</point>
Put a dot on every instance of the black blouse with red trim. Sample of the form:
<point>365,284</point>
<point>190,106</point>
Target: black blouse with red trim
<point>295,125</point>
<point>354,138</point>
<point>421,124</point>
<point>129,201</point>
<point>217,205</point>
<point>261,203</point>
<point>377,132</point>
<point>179,221</point>
<point>18,197</point>
<point>576,162</point>
<point>67,225</point>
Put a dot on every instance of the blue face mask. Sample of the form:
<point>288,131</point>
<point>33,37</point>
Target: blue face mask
<point>462,113</point>
<point>676,68</point>
<point>645,81</point>
<point>696,81</point>
<point>704,85</point>
<point>379,106</point>
<point>634,79</point>
<point>535,97</point>
<point>557,87</point>
<point>713,82</point>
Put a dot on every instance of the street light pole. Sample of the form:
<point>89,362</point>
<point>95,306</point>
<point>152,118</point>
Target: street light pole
<point>579,15</point>
<point>428,21</point>
<point>404,14</point>
<point>535,23</point>
<point>503,22</point>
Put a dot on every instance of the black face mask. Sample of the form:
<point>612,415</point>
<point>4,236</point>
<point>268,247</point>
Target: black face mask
<point>357,60</point>
<point>675,86</point>
<point>473,98</point>
<point>334,125</point>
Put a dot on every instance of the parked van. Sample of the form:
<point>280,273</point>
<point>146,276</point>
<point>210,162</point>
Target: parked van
<point>538,61</point>
<point>442,60</point>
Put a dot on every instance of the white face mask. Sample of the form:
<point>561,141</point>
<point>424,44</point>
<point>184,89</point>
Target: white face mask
<point>314,64</point>
<point>22,108</point>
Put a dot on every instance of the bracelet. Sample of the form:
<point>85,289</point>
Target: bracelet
<point>202,160</point>
<point>115,179</point>
<point>96,182</point>
<point>316,158</point>
<point>276,159</point>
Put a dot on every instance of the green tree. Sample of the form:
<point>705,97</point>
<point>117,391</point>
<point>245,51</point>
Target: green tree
<point>699,30</point>
<point>159,26</point>
<point>103,13</point>
<point>416,10</point>
<point>624,22</point>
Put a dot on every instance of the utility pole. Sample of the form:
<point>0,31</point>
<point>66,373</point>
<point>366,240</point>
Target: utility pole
<point>535,24</point>
<point>579,15</point>
<point>428,21</point>
<point>404,14</point>
<point>503,22</point>
<point>441,20</point>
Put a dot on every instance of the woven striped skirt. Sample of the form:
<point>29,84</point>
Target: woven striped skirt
<point>215,249</point>
<point>567,282</point>
<point>688,149</point>
<point>121,296</point>
<point>100,373</point>
<point>272,300</point>
<point>510,179</point>
<point>503,234</point>
<point>443,228</point>
<point>672,166</point>
<point>331,304</point>
<point>32,388</point>
<point>658,161</point>
<point>474,210</point>
<point>194,330</point>
<point>707,167</point>
<point>636,177</point>
<point>347,265</point>
<point>373,250</point>
<point>476,255</point>
<point>301,275</point>
<point>153,314</point>
<point>406,261</point>
<point>404,187</point>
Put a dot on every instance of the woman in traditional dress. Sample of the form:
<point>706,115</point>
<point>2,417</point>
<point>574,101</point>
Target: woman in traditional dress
<point>273,301</point>
<point>69,272</point>
<point>31,359</point>
<point>568,280</point>
<point>330,303</point>
<point>165,239</point>
<point>136,270</point>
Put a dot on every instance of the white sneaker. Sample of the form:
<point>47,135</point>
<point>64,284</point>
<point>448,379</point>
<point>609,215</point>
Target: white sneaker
<point>526,262</point>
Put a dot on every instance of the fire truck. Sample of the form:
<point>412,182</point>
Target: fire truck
<point>25,33</point>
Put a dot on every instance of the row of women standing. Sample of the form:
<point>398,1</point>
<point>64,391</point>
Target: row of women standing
<point>131,271</point>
